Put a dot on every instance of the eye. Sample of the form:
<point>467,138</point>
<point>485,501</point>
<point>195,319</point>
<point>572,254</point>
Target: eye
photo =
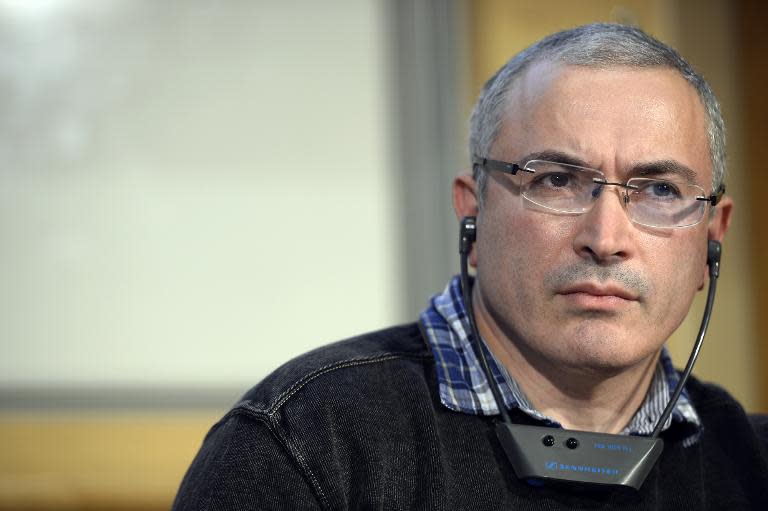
<point>658,191</point>
<point>558,180</point>
<point>554,180</point>
<point>664,189</point>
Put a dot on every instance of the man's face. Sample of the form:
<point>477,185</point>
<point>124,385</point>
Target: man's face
<point>593,292</point>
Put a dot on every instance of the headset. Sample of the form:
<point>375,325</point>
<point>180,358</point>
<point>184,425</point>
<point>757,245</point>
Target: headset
<point>544,455</point>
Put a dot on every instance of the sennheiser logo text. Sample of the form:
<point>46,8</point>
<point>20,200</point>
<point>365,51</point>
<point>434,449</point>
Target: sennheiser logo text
<point>564,467</point>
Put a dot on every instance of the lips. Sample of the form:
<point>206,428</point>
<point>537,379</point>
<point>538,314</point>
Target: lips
<point>598,290</point>
<point>592,296</point>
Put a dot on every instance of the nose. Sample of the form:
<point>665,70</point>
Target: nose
<point>605,233</point>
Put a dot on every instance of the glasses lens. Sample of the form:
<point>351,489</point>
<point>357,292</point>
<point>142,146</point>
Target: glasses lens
<point>659,203</point>
<point>559,186</point>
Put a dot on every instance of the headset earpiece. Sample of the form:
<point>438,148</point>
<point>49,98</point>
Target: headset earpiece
<point>714,249</point>
<point>467,234</point>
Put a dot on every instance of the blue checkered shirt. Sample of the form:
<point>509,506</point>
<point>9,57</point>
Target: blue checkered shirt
<point>464,387</point>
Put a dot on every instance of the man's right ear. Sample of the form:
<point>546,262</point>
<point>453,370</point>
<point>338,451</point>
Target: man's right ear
<point>465,204</point>
<point>464,196</point>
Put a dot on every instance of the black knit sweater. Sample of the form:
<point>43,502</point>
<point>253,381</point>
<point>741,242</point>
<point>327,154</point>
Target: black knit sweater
<point>359,425</point>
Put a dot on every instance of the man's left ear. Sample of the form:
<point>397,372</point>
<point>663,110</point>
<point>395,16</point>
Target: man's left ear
<point>718,225</point>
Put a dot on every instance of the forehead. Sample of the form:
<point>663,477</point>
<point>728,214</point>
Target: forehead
<point>613,118</point>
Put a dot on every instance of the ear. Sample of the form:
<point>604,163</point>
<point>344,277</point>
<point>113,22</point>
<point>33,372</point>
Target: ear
<point>721,219</point>
<point>718,225</point>
<point>465,204</point>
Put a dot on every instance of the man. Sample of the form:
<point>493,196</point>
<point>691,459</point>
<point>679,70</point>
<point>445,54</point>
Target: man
<point>598,165</point>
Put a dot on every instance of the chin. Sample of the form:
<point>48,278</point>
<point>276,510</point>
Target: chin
<point>603,365</point>
<point>605,355</point>
<point>588,347</point>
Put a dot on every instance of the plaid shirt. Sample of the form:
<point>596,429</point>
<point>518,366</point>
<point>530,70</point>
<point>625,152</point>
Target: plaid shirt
<point>464,387</point>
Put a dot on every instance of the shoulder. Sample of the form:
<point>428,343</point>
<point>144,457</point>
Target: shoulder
<point>713,403</point>
<point>720,409</point>
<point>375,355</point>
<point>706,395</point>
<point>307,427</point>
<point>760,423</point>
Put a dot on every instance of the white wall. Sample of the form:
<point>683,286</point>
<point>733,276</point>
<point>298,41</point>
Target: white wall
<point>191,191</point>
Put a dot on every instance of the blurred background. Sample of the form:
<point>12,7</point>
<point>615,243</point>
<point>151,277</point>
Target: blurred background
<point>192,192</point>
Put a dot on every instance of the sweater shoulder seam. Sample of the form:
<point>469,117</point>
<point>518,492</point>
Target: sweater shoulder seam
<point>269,421</point>
<point>302,382</point>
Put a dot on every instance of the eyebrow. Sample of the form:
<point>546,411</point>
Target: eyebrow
<point>665,167</point>
<point>556,157</point>
<point>648,169</point>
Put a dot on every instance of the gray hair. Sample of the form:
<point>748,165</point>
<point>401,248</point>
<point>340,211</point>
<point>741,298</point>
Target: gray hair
<point>600,45</point>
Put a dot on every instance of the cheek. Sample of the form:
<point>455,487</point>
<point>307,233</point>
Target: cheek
<point>674,299</point>
<point>676,278</point>
<point>516,251</point>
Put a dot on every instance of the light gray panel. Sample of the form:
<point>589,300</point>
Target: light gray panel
<point>428,43</point>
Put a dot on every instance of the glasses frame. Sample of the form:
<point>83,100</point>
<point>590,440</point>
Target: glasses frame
<point>513,168</point>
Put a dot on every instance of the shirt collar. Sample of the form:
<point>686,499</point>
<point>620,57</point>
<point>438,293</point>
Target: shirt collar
<point>463,386</point>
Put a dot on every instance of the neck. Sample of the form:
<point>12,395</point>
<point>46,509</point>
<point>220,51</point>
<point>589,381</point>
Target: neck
<point>597,400</point>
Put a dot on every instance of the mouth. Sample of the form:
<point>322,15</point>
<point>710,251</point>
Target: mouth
<point>599,297</point>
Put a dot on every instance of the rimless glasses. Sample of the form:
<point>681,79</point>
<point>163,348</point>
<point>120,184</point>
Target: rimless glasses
<point>570,189</point>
